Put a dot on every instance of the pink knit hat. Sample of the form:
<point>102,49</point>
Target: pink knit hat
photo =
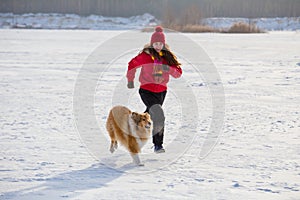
<point>158,35</point>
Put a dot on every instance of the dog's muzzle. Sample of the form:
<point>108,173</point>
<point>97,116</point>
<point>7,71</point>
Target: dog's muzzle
<point>148,125</point>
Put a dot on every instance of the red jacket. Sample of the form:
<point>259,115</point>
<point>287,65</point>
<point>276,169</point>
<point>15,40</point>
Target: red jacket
<point>152,77</point>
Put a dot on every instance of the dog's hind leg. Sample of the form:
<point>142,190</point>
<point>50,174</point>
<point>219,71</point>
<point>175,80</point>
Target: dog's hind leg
<point>113,140</point>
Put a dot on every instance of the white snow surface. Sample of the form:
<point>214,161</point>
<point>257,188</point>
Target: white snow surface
<point>96,22</point>
<point>257,155</point>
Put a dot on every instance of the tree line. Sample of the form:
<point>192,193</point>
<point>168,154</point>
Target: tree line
<point>158,8</point>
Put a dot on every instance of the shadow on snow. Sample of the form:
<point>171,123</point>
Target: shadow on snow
<point>70,184</point>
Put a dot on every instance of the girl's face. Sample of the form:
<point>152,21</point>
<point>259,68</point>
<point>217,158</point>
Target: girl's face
<point>158,46</point>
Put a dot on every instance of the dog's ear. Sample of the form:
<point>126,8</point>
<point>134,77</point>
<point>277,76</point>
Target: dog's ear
<point>148,115</point>
<point>136,117</point>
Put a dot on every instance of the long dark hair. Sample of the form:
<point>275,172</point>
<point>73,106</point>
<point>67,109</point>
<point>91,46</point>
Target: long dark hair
<point>167,54</point>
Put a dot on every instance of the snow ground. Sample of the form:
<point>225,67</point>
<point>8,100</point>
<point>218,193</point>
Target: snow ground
<point>42,156</point>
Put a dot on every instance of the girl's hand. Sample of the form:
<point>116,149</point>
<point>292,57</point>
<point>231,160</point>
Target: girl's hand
<point>130,84</point>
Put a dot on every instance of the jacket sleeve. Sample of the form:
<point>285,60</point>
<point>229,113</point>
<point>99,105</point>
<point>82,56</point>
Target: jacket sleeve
<point>175,71</point>
<point>135,63</point>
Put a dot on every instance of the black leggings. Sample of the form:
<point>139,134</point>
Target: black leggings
<point>153,102</point>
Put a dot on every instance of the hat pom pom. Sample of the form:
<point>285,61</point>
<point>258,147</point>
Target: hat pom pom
<point>158,29</point>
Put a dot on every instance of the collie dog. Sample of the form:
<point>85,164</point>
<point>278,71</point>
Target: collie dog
<point>131,129</point>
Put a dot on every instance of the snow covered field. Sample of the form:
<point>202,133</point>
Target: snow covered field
<point>45,156</point>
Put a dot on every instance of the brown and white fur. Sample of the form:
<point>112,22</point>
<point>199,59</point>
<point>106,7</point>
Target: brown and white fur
<point>131,129</point>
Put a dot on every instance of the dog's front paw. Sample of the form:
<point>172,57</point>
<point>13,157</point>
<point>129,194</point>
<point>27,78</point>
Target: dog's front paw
<point>112,149</point>
<point>113,146</point>
<point>139,164</point>
<point>136,160</point>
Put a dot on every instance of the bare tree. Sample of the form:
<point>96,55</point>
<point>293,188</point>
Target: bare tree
<point>159,8</point>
